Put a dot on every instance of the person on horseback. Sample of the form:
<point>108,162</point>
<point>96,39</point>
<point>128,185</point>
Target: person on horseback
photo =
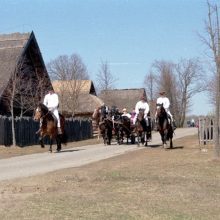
<point>141,104</point>
<point>163,100</point>
<point>51,100</point>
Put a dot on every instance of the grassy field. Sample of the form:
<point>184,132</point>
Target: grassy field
<point>151,183</point>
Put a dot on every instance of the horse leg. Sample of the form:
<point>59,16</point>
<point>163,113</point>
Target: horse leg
<point>51,142</point>
<point>171,143</point>
<point>41,142</point>
<point>109,136</point>
<point>58,139</point>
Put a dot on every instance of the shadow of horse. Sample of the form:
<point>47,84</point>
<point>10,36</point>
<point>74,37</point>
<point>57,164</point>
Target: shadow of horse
<point>164,126</point>
<point>48,127</point>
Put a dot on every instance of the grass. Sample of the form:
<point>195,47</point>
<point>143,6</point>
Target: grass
<point>151,183</point>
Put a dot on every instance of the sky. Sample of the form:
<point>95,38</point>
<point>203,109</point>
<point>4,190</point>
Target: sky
<point>130,35</point>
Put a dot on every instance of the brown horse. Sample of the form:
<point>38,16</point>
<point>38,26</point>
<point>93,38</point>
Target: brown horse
<point>142,129</point>
<point>104,124</point>
<point>48,126</point>
<point>164,127</point>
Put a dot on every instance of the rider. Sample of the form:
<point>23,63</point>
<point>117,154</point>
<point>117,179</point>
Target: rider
<point>162,99</point>
<point>51,100</point>
<point>125,113</point>
<point>141,104</point>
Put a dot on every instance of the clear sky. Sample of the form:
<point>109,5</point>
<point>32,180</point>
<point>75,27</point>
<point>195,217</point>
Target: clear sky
<point>129,34</point>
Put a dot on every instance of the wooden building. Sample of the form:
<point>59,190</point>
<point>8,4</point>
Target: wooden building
<point>77,97</point>
<point>122,98</point>
<point>23,75</point>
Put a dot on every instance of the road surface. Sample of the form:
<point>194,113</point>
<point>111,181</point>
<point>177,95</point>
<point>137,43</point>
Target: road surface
<point>34,164</point>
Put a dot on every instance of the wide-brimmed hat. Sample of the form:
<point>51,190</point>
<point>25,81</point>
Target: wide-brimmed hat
<point>162,92</point>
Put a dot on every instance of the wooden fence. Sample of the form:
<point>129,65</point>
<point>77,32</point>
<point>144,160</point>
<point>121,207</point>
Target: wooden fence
<point>26,127</point>
<point>206,130</point>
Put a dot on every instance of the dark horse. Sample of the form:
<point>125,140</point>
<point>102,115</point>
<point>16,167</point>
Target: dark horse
<point>142,128</point>
<point>164,126</point>
<point>48,126</point>
<point>104,123</point>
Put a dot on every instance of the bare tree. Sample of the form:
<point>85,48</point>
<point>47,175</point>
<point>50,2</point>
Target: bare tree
<point>105,80</point>
<point>12,95</point>
<point>72,72</point>
<point>166,80</point>
<point>150,85</point>
<point>190,82</point>
<point>212,41</point>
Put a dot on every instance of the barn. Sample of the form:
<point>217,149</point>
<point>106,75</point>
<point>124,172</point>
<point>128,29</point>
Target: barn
<point>23,75</point>
<point>77,97</point>
<point>122,98</point>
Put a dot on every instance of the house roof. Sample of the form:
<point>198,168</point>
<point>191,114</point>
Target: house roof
<point>87,103</point>
<point>11,48</point>
<point>122,98</point>
<point>87,100</point>
<point>84,86</point>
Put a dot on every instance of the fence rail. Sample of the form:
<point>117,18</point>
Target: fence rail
<point>26,127</point>
<point>206,130</point>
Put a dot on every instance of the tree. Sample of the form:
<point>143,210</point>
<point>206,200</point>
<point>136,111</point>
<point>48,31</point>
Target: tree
<point>212,41</point>
<point>190,82</point>
<point>72,72</point>
<point>105,80</point>
<point>150,85</point>
<point>181,82</point>
<point>165,79</point>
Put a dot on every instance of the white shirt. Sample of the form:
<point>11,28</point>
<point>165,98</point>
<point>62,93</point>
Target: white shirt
<point>142,105</point>
<point>165,101</point>
<point>51,100</point>
<point>126,114</point>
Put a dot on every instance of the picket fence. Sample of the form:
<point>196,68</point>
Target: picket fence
<point>26,127</point>
<point>206,130</point>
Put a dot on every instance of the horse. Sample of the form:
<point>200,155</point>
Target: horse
<point>48,126</point>
<point>104,124</point>
<point>164,126</point>
<point>142,129</point>
<point>125,128</point>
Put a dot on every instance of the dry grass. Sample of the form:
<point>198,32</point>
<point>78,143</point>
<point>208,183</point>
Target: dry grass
<point>151,183</point>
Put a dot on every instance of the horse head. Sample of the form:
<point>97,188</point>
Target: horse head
<point>140,116</point>
<point>161,112</point>
<point>40,111</point>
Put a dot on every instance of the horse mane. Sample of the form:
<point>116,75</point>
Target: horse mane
<point>43,108</point>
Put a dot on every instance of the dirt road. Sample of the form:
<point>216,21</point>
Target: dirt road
<point>30,165</point>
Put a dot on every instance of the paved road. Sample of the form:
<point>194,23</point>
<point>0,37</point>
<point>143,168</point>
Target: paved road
<point>30,165</point>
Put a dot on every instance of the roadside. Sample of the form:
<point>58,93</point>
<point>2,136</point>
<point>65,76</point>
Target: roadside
<point>146,184</point>
<point>39,163</point>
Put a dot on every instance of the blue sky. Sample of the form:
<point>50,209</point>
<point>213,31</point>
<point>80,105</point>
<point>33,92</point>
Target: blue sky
<point>129,34</point>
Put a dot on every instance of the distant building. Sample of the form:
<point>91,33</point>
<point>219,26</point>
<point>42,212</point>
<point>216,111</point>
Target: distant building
<point>77,97</point>
<point>122,98</point>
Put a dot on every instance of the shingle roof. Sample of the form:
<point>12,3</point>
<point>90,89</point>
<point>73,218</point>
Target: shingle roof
<point>122,98</point>
<point>85,86</point>
<point>11,48</point>
<point>87,100</point>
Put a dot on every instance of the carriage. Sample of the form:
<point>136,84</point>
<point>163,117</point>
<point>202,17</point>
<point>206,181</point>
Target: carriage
<point>113,125</point>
